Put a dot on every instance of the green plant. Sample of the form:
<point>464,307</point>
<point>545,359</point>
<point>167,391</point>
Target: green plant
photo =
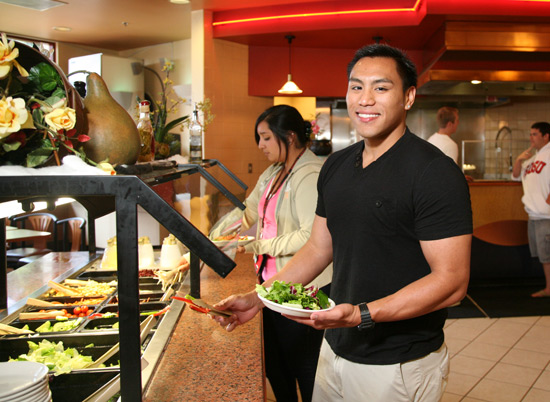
<point>167,144</point>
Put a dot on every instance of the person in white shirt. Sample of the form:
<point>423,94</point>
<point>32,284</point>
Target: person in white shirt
<point>534,171</point>
<point>447,118</point>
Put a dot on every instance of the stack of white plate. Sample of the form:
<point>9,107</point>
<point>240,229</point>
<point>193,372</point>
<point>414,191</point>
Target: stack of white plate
<point>24,382</point>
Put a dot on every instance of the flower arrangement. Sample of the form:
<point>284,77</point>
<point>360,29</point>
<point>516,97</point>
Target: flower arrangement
<point>35,120</point>
<point>167,144</point>
<point>316,130</point>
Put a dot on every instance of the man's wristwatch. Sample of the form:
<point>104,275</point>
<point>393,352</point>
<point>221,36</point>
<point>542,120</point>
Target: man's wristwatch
<point>366,320</point>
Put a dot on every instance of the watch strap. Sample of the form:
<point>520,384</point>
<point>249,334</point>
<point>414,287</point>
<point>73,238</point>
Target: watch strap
<point>366,319</point>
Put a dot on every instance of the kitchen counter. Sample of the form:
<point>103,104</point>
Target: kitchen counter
<point>202,362</point>
<point>497,212</point>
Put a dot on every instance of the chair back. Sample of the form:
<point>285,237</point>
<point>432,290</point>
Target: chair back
<point>73,227</point>
<point>41,221</point>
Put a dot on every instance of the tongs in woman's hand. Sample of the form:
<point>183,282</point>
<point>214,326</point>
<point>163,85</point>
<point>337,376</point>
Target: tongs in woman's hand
<point>201,306</point>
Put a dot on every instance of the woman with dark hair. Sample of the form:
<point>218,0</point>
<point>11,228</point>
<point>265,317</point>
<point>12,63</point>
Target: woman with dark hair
<point>282,204</point>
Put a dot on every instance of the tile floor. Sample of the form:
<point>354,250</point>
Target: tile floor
<point>496,360</point>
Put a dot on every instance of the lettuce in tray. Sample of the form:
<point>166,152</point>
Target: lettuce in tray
<point>55,356</point>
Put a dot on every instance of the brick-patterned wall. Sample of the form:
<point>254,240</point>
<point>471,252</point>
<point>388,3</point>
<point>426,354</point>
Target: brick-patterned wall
<point>518,115</point>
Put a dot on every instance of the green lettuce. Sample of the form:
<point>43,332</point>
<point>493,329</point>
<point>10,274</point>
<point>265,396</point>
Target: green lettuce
<point>55,357</point>
<point>294,295</point>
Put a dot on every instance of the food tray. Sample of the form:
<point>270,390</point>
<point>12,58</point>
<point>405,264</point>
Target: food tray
<point>98,274</point>
<point>46,296</point>
<point>31,309</point>
<point>67,301</point>
<point>11,348</point>
<point>33,324</point>
<point>106,324</point>
<point>80,384</point>
<point>150,288</point>
<point>143,307</point>
<point>143,298</point>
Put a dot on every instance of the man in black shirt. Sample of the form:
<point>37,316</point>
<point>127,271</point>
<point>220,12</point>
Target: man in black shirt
<point>394,217</point>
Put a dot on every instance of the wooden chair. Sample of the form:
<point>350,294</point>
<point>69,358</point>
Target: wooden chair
<point>41,221</point>
<point>75,228</point>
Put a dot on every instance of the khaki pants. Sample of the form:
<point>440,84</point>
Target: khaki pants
<point>420,380</point>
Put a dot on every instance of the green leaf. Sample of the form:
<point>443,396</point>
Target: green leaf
<point>44,77</point>
<point>159,136</point>
<point>175,123</point>
<point>38,116</point>
<point>36,158</point>
<point>39,155</point>
<point>59,93</point>
<point>11,147</point>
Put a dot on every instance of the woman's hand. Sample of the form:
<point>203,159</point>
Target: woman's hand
<point>183,265</point>
<point>241,250</point>
<point>244,307</point>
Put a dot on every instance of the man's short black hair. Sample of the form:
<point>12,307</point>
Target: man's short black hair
<point>405,67</point>
<point>543,127</point>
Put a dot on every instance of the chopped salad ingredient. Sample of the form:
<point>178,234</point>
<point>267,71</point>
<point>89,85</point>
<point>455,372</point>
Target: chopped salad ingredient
<point>79,311</point>
<point>89,288</point>
<point>59,326</point>
<point>294,295</point>
<point>55,356</point>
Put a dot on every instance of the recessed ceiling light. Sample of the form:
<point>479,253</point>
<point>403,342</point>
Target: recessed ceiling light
<point>476,82</point>
<point>180,1</point>
<point>62,29</point>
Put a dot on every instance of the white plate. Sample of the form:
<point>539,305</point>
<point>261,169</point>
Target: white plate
<point>20,375</point>
<point>242,242</point>
<point>38,395</point>
<point>295,312</point>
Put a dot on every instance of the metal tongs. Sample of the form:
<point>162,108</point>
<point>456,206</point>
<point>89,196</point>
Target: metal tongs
<point>145,327</point>
<point>201,306</point>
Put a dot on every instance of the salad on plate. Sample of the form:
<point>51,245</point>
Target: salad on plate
<point>295,295</point>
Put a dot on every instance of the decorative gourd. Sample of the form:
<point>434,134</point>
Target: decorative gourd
<point>114,136</point>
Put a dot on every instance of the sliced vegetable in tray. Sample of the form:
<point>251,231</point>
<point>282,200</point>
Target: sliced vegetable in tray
<point>59,326</point>
<point>55,356</point>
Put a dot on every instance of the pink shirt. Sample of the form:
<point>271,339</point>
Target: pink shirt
<point>269,230</point>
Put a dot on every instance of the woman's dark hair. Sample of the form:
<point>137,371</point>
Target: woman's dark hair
<point>284,120</point>
<point>405,67</point>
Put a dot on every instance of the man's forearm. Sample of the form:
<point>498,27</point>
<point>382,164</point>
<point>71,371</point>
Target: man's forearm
<point>304,267</point>
<point>516,170</point>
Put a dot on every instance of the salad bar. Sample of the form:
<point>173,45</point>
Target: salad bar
<point>73,328</point>
<point>123,194</point>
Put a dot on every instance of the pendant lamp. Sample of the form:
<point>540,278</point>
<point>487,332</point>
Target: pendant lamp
<point>290,87</point>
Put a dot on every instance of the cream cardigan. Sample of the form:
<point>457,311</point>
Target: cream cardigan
<point>295,211</point>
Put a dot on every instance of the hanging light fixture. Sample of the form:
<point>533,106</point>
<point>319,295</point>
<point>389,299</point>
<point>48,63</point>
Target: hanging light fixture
<point>290,88</point>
